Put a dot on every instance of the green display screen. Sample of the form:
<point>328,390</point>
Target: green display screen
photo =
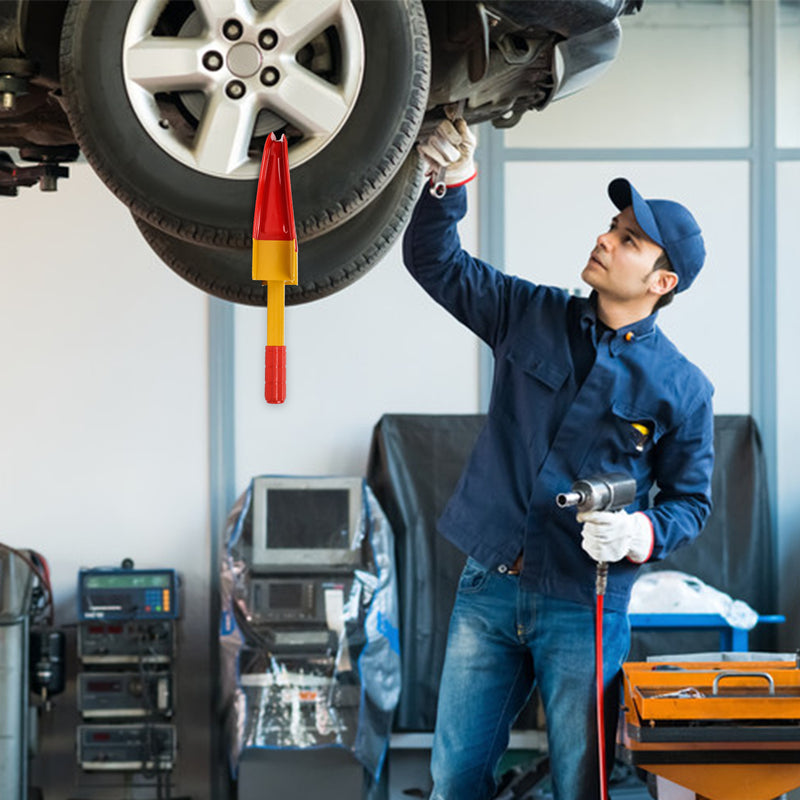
<point>128,581</point>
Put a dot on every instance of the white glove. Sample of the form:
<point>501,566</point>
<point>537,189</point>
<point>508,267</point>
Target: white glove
<point>613,535</point>
<point>450,147</point>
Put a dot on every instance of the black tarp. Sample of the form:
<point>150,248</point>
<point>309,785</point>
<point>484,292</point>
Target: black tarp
<point>415,461</point>
<point>735,553</point>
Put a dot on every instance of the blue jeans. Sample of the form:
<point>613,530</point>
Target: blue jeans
<point>503,641</point>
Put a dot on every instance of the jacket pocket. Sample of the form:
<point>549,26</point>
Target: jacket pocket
<point>623,440</point>
<point>538,366</point>
<point>635,430</point>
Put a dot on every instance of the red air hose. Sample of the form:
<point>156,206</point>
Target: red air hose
<point>601,729</point>
<point>608,492</point>
<point>601,579</point>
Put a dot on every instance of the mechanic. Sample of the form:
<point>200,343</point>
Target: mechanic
<point>581,386</point>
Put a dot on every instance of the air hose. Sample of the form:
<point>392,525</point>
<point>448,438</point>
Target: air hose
<point>608,492</point>
<point>600,591</point>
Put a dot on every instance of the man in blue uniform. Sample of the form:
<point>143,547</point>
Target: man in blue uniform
<point>582,386</point>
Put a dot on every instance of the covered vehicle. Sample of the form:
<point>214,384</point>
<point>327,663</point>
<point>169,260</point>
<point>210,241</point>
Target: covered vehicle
<point>171,101</point>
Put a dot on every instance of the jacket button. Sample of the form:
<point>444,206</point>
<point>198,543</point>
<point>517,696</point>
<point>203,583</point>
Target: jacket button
<point>502,568</point>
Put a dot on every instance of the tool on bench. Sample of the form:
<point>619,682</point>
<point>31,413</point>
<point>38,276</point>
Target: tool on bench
<point>610,491</point>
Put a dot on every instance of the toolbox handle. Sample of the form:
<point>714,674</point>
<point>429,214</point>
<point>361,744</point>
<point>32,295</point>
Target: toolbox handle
<point>730,673</point>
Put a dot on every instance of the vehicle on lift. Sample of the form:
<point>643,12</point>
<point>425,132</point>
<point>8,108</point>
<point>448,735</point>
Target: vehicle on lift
<point>171,101</point>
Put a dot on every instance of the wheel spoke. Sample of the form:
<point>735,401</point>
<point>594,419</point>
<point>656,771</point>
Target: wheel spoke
<point>224,135</point>
<point>197,62</point>
<point>299,21</point>
<point>164,65</point>
<point>214,10</point>
<point>314,106</point>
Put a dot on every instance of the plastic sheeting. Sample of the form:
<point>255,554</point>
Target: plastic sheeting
<point>415,462</point>
<point>341,695</point>
<point>667,591</point>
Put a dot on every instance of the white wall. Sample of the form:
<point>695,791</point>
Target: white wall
<point>104,441</point>
<point>380,346</point>
<point>788,91</point>
<point>788,395</point>
<point>103,420</point>
<point>681,79</point>
<point>103,406</point>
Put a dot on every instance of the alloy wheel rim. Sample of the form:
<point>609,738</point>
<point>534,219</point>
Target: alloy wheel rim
<point>209,90</point>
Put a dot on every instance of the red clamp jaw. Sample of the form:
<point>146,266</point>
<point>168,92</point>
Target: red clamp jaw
<point>275,373</point>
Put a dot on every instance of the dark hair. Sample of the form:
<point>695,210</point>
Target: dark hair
<point>663,262</point>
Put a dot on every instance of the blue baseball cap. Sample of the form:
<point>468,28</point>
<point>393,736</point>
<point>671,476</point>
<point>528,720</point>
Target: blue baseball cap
<point>670,225</point>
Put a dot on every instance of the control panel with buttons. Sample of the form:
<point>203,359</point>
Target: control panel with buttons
<point>119,593</point>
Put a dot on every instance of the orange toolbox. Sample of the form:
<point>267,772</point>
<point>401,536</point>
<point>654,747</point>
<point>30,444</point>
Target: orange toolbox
<point>726,730</point>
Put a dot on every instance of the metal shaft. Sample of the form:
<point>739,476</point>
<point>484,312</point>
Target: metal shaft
<point>607,492</point>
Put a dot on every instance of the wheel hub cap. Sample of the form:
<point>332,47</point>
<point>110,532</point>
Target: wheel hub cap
<point>244,59</point>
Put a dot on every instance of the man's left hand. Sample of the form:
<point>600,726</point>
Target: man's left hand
<point>450,147</point>
<point>613,535</point>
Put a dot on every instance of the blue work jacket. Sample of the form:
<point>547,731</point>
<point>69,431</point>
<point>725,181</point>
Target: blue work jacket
<point>546,429</point>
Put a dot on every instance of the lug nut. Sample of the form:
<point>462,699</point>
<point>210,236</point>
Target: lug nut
<point>235,90</point>
<point>270,76</point>
<point>212,60</point>
<point>232,29</point>
<point>268,38</point>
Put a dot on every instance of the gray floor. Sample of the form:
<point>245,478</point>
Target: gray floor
<point>408,778</point>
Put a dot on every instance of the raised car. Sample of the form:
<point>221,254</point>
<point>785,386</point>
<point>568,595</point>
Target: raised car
<point>171,101</point>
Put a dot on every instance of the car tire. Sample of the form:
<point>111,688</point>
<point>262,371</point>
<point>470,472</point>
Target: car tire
<point>356,162</point>
<point>326,263</point>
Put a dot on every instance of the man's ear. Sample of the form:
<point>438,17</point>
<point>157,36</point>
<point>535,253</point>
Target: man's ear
<point>664,282</point>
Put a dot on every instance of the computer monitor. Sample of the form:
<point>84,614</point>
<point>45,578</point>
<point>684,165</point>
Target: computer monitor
<point>306,523</point>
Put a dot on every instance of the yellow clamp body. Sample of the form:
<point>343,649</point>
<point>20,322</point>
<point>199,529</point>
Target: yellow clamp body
<point>275,264</point>
<point>275,260</point>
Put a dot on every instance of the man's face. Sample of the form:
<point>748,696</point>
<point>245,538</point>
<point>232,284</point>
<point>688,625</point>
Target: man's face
<point>620,267</point>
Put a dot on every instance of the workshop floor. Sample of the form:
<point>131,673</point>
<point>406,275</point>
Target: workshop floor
<point>408,779</point>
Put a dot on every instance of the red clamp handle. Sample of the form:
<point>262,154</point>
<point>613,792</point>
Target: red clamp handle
<point>275,373</point>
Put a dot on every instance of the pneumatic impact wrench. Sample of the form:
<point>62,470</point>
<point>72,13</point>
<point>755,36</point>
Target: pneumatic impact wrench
<point>610,491</point>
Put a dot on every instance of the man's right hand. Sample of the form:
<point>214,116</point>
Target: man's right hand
<point>450,148</point>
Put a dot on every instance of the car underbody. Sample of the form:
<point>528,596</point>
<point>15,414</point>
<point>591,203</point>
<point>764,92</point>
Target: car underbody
<point>193,91</point>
